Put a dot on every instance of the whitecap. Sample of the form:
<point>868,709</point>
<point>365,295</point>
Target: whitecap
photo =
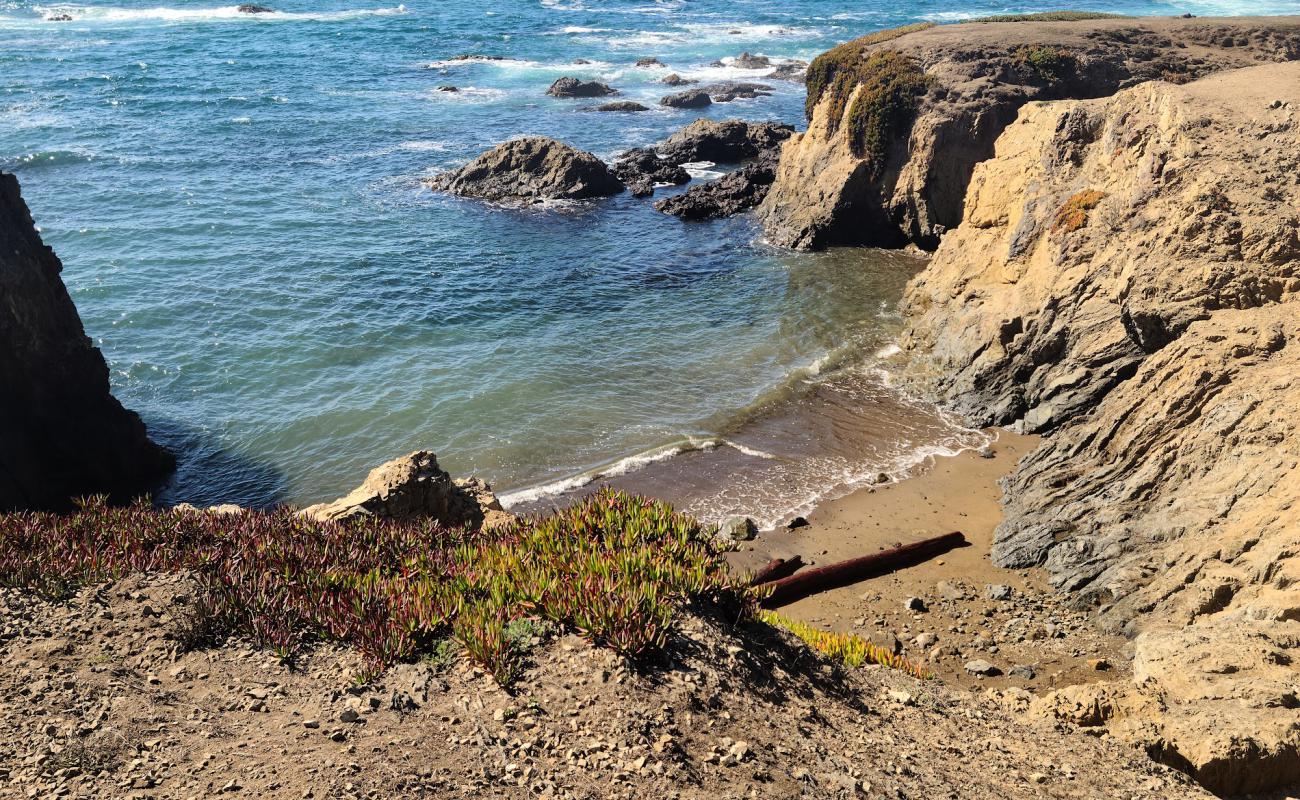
<point>218,14</point>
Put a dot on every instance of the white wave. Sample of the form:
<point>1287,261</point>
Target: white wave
<point>221,13</point>
<point>467,94</point>
<point>749,451</point>
<point>241,120</point>
<point>621,467</point>
<point>949,16</point>
<point>700,169</point>
<point>888,351</point>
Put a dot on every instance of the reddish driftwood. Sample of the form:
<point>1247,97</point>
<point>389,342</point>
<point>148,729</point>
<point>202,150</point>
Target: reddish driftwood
<point>776,569</point>
<point>832,576</point>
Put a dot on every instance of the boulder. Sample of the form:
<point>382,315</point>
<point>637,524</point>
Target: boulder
<point>673,79</point>
<point>622,105</point>
<point>790,71</point>
<point>649,62</point>
<point>572,87</point>
<point>531,169</point>
<point>249,8</point>
<point>725,142</point>
<point>414,487</point>
<point>62,433</point>
<point>59,18</point>
<point>738,529</point>
<point>691,98</point>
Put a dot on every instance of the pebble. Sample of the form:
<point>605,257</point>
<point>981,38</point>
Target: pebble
<point>982,668</point>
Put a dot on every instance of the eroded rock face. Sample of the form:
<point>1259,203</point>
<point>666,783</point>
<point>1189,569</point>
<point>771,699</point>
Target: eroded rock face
<point>979,75</point>
<point>62,434</point>
<point>530,169</point>
<point>1125,279</point>
<point>414,487</point>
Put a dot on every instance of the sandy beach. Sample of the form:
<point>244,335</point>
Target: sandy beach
<point>960,493</point>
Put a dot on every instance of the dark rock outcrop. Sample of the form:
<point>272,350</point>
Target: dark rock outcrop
<point>649,62</point>
<point>530,169</point>
<point>248,8</point>
<point>674,79</point>
<point>691,98</point>
<point>642,167</point>
<point>790,71</point>
<point>731,194</point>
<point>935,99</point>
<point>62,433</point>
<point>723,142</point>
<point>749,61</point>
<point>568,88</point>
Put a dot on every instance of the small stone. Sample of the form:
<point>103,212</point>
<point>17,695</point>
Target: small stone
<point>738,529</point>
<point>886,641</point>
<point>797,522</point>
<point>902,698</point>
<point>925,640</point>
<point>982,668</point>
<point>997,591</point>
<point>1098,664</point>
<point>349,715</point>
<point>950,591</point>
<point>1023,671</point>
<point>311,723</point>
<point>914,604</point>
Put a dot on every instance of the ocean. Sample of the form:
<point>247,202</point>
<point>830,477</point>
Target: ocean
<point>237,200</point>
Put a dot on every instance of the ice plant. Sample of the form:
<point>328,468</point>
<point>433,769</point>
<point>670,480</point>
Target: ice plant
<point>616,568</point>
<point>852,651</point>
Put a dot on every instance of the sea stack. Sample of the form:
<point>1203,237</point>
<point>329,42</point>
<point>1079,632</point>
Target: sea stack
<point>64,434</point>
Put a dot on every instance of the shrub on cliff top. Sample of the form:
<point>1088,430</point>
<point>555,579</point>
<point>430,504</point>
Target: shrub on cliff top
<point>1051,64</point>
<point>1050,16</point>
<point>616,568</point>
<point>826,70</point>
<point>878,90</point>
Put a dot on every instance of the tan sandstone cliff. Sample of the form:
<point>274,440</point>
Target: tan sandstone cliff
<point>62,434</point>
<point>927,106</point>
<point>1125,277</point>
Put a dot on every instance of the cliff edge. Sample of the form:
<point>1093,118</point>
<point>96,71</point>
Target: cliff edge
<point>899,119</point>
<point>1125,277</point>
<point>62,434</point>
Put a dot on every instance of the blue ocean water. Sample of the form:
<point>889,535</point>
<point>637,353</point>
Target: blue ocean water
<point>238,203</point>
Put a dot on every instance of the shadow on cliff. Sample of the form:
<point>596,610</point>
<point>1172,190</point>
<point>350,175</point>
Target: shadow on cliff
<point>207,473</point>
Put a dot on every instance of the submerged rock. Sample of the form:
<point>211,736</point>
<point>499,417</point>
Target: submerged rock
<point>747,61</point>
<point>673,79</point>
<point>249,8</point>
<point>691,98</point>
<point>530,169</point>
<point>62,433</point>
<point>622,105</point>
<point>731,90</point>
<point>572,87</point>
<point>59,18</point>
<point>413,487</point>
<point>649,62</point>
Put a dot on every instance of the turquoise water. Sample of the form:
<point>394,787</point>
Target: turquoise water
<point>237,201</point>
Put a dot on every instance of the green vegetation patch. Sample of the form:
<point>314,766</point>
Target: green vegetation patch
<point>852,651</point>
<point>1073,215</point>
<point>616,568</point>
<point>1052,64</point>
<point>885,104</point>
<point>1051,16</point>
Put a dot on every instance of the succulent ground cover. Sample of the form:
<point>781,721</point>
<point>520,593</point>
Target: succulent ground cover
<point>617,569</point>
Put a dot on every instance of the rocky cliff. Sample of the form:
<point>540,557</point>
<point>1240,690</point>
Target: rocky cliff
<point>62,434</point>
<point>899,119</point>
<point>1125,278</point>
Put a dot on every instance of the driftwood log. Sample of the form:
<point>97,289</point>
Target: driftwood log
<point>832,576</point>
<point>776,569</point>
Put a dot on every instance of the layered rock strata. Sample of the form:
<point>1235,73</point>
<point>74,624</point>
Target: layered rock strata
<point>62,433</point>
<point>1125,279</point>
<point>899,119</point>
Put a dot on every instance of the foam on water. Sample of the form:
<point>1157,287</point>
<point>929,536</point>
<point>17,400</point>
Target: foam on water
<point>220,14</point>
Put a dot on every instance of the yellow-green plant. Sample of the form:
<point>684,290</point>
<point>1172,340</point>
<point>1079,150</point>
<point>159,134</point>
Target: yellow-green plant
<point>853,651</point>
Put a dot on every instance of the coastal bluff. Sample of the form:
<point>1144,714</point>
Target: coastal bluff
<point>1124,280</point>
<point>65,435</point>
<point>899,119</point>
